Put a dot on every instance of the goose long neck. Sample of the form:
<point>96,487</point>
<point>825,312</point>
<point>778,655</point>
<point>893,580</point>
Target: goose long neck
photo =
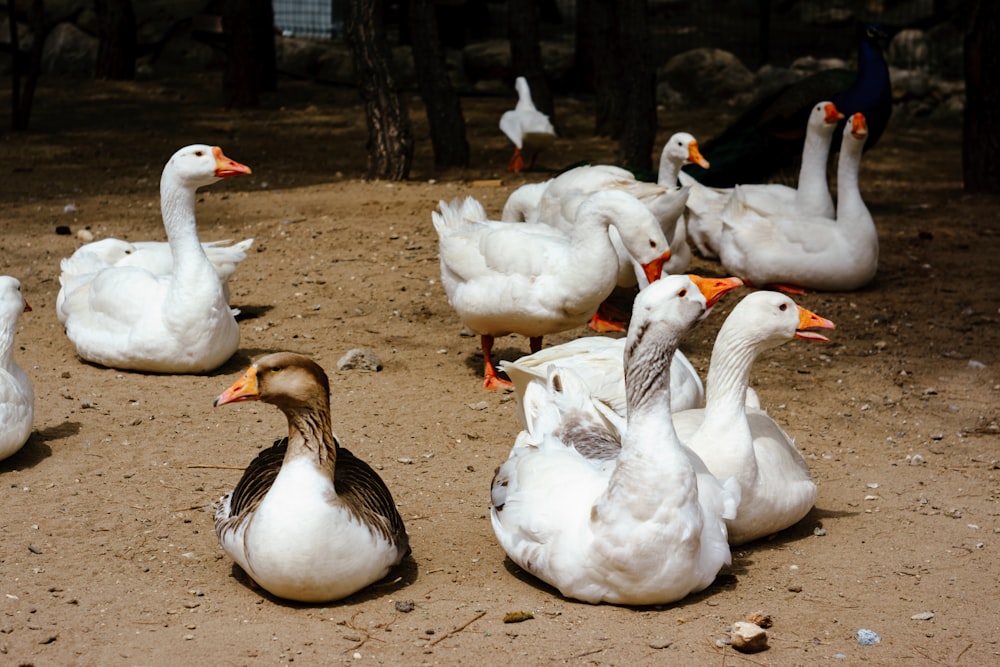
<point>812,187</point>
<point>729,374</point>
<point>7,343</point>
<point>647,389</point>
<point>310,433</point>
<point>668,170</point>
<point>850,206</point>
<point>177,206</point>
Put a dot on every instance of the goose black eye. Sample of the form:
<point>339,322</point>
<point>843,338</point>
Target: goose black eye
<point>652,243</point>
<point>683,293</point>
<point>783,307</point>
<point>199,153</point>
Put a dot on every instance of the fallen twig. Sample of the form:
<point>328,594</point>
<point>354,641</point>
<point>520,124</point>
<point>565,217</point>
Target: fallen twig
<point>217,467</point>
<point>455,631</point>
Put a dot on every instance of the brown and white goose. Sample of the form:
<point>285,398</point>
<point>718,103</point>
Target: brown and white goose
<point>308,521</point>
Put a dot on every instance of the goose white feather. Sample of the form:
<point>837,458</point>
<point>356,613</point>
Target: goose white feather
<point>17,396</point>
<point>738,441</point>
<point>817,252</point>
<point>646,527</point>
<point>504,277</point>
<point>528,129</point>
<point>131,318</point>
<point>308,520</point>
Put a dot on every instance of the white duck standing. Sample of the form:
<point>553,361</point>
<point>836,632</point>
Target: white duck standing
<point>131,318</point>
<point>528,129</point>
<point>646,527</point>
<point>17,397</point>
<point>811,252</point>
<point>308,521</point>
<point>745,443</point>
<point>508,277</point>
<point>810,197</point>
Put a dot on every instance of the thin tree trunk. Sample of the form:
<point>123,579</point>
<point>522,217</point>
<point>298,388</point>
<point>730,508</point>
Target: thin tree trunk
<point>526,52</point>
<point>638,129</point>
<point>248,27</point>
<point>608,75</point>
<point>22,99</point>
<point>444,108</point>
<point>981,129</point>
<point>116,46</point>
<point>390,135</point>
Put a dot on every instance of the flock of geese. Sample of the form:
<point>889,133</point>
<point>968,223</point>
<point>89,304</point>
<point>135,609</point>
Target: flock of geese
<point>629,480</point>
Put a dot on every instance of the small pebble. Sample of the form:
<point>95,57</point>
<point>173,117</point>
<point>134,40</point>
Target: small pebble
<point>867,637</point>
<point>405,606</point>
<point>85,235</point>
<point>923,616</point>
<point>819,531</point>
<point>362,358</point>
<point>748,637</point>
<point>660,644</point>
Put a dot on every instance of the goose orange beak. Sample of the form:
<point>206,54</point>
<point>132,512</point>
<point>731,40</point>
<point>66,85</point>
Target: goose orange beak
<point>714,289</point>
<point>654,269</point>
<point>244,389</point>
<point>859,126</point>
<point>225,166</point>
<point>833,114</point>
<point>810,320</point>
<point>695,156</point>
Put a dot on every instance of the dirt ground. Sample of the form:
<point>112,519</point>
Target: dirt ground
<point>107,551</point>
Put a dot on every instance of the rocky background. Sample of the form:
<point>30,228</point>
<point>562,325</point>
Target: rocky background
<point>177,37</point>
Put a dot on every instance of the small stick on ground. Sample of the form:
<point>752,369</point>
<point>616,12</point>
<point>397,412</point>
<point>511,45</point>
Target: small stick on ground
<point>455,631</point>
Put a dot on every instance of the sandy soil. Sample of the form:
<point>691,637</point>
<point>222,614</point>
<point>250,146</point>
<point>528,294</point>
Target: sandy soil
<point>107,547</point>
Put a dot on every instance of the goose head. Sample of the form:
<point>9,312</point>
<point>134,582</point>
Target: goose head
<point>199,165</point>
<point>824,117</point>
<point>12,302</point>
<point>284,379</point>
<point>682,148</point>
<point>674,303</point>
<point>773,318</point>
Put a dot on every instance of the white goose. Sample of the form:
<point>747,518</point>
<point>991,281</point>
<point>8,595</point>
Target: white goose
<point>308,521</point>
<point>505,277</point>
<point>529,129</point>
<point>128,317</point>
<point>597,360</point>
<point>646,527</point>
<point>745,443</point>
<point>810,197</point>
<point>555,203</point>
<point>813,252</point>
<point>17,397</point>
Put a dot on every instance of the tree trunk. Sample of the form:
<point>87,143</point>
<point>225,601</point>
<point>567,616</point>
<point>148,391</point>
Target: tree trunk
<point>248,28</point>
<point>444,108</point>
<point>526,52</point>
<point>116,46</point>
<point>390,135</point>
<point>21,100</point>
<point>638,89</point>
<point>981,129</point>
<point>608,77</point>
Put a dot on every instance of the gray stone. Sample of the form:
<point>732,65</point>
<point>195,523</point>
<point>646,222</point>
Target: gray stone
<point>69,52</point>
<point>360,358</point>
<point>707,76</point>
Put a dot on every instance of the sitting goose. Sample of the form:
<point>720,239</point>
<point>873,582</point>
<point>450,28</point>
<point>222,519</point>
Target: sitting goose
<point>17,397</point>
<point>308,521</point>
